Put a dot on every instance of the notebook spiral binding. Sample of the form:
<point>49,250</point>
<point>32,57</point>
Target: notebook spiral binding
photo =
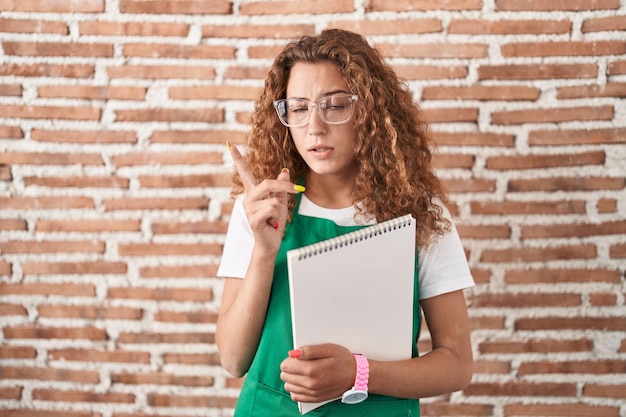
<point>353,237</point>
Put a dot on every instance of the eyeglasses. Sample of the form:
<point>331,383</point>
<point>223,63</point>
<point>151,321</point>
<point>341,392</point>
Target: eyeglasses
<point>333,110</point>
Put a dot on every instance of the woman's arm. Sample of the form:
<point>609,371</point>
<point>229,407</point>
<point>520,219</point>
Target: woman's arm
<point>324,372</point>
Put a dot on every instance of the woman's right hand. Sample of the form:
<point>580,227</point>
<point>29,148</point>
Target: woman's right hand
<point>265,203</point>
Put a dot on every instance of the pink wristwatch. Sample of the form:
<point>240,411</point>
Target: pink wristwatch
<point>358,393</point>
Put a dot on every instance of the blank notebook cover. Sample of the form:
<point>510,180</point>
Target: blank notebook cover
<point>356,290</point>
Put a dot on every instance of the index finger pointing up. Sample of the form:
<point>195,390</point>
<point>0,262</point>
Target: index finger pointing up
<point>247,177</point>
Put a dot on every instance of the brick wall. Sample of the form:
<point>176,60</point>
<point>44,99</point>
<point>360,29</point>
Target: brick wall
<point>114,192</point>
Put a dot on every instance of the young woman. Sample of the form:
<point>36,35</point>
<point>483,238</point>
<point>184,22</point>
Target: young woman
<point>337,143</point>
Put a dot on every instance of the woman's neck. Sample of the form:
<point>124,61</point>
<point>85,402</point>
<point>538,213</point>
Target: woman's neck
<point>329,192</point>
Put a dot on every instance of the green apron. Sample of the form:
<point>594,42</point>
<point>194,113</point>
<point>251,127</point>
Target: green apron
<point>263,393</point>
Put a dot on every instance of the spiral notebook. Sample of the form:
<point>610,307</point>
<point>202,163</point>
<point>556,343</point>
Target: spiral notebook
<point>356,290</point>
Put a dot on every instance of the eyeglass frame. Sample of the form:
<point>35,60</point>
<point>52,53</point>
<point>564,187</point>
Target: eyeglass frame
<point>352,98</point>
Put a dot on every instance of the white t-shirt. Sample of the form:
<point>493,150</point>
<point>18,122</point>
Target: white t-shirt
<point>442,265</point>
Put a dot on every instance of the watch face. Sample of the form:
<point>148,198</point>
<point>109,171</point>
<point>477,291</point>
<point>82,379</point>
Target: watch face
<point>354,397</point>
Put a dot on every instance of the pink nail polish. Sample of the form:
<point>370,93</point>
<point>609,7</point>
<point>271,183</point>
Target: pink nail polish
<point>295,354</point>
<point>275,225</point>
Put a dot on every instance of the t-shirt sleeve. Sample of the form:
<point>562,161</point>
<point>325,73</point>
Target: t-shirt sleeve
<point>238,244</point>
<point>443,267</point>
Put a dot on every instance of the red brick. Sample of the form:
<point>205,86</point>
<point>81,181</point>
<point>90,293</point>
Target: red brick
<point>133,28</point>
<point>198,136</point>
<point>492,367</point>
<point>408,5</point>
<point>10,393</point>
<point>452,161</point>
<point>93,312</point>
<point>469,186</point>
<point>473,139</point>
<point>567,184</point>
<point>617,250</point>
<point>167,72</point>
<point>605,390</point>
<point>290,7</point>
<point>528,254</point>
<point>167,158</point>
<point>66,289</point>
<point>212,401</point>
<point>535,346</point>
<point>553,276</point>
<point>453,409</point>
<point>509,27</point>
<point>41,332</point>
<point>5,268</point>
<point>33,26</point>
<point>616,68</point>
<point>451,115</point>
<point>279,31</point>
<point>82,396</point>
<point>28,412</point>
<point>522,388</point>
<point>77,182</point>
<point>553,115</point>
<point>210,359</point>
<point>8,90</point>
<point>191,203</point>
<point>88,92</point>
<point>80,268</point>
<point>528,207</point>
<point>48,70</point>
<point>42,6</point>
<point>484,232</point>
<point>186,181</point>
<point>561,410</point>
<point>573,230</point>
<point>39,203</point>
<point>604,24</point>
<point>40,158</point>
<point>389,27</point>
<point>221,92</point>
<point>161,378</point>
<point>58,49</point>
<point>161,293</point>
<point>577,137</point>
<point>49,374</point>
<point>430,72</point>
<point>537,71</point>
<point>556,5</point>
<point>433,50</point>
<point>50,112</point>
<point>200,7</point>
<point>206,115</point>
<point>82,136</point>
<point>607,205</point>
<point>98,356</point>
<point>201,317</point>
<point>173,249</point>
<point>11,132</point>
<point>572,323</point>
<point>148,337</point>
<point>569,48</point>
<point>179,271</point>
<point>168,228</point>
<point>180,51</point>
<point>493,323</point>
<point>88,225</point>
<point>483,93</point>
<point>538,161</point>
<point>602,367</point>
<point>523,300</point>
<point>245,73</point>
<point>605,90</point>
<point>11,309</point>
<point>603,299</point>
<point>13,224</point>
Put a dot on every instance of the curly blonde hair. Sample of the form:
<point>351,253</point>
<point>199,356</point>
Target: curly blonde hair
<point>393,148</point>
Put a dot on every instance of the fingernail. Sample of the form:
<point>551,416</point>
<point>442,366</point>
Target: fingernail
<point>295,354</point>
<point>228,146</point>
<point>275,225</point>
<point>299,188</point>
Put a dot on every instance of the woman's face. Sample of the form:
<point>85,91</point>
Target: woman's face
<point>327,149</point>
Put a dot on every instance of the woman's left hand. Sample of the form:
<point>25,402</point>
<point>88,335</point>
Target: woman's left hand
<point>318,373</point>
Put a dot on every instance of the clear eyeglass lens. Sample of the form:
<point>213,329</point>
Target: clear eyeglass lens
<point>335,109</point>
